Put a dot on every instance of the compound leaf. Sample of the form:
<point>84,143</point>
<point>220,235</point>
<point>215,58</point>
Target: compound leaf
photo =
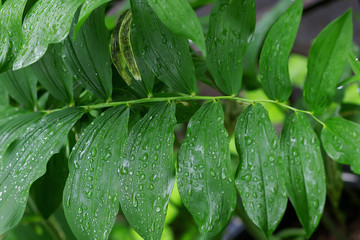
<point>231,27</point>
<point>260,176</point>
<point>92,189</point>
<point>54,75</point>
<point>26,161</point>
<point>88,56</point>
<point>147,171</point>
<point>21,85</point>
<point>274,57</point>
<point>341,141</point>
<point>164,52</point>
<point>181,19</point>
<point>205,172</point>
<point>48,21</point>
<point>327,58</point>
<point>304,170</point>
<point>11,32</point>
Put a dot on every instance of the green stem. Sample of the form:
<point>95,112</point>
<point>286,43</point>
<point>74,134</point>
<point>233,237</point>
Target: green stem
<point>204,98</point>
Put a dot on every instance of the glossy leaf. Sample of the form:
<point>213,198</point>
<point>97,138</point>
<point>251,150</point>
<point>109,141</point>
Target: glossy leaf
<point>205,172</point>
<point>231,27</point>
<point>165,53</point>
<point>21,85</point>
<point>54,75</point>
<point>327,59</point>
<point>341,141</point>
<point>88,56</point>
<point>261,30</point>
<point>274,58</point>
<point>86,9</point>
<point>48,21</point>
<point>25,161</point>
<point>11,32</point>
<point>13,129</point>
<point>9,113</point>
<point>354,63</point>
<point>92,188</point>
<point>260,176</point>
<point>304,170</point>
<point>181,19</point>
<point>147,171</point>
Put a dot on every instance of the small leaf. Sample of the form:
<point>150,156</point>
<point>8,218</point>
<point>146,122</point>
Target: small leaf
<point>48,21</point>
<point>124,60</point>
<point>165,53</point>
<point>205,172</point>
<point>92,189</point>
<point>148,171</point>
<point>11,32</point>
<point>181,19</point>
<point>260,176</point>
<point>25,161</point>
<point>304,171</point>
<point>261,30</point>
<point>231,27</point>
<point>86,9</point>
<point>274,58</point>
<point>354,63</point>
<point>88,56</point>
<point>54,75</point>
<point>327,59</point>
<point>341,141</point>
<point>21,85</point>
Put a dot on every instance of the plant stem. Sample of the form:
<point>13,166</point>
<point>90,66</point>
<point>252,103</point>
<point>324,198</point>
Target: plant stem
<point>191,98</point>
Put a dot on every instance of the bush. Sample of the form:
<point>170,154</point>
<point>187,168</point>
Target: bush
<point>89,116</point>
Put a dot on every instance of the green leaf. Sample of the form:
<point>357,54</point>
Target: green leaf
<point>88,56</point>
<point>354,63</point>
<point>231,27</point>
<point>341,141</point>
<point>181,19</point>
<point>47,191</point>
<point>260,176</point>
<point>92,188</point>
<point>165,53</point>
<point>86,9</point>
<point>54,75</point>
<point>304,170</point>
<point>13,129</point>
<point>8,113</point>
<point>10,31</point>
<point>274,57</point>
<point>21,85</point>
<point>327,59</point>
<point>48,21</point>
<point>205,172</point>
<point>261,30</point>
<point>148,171</point>
<point>26,159</point>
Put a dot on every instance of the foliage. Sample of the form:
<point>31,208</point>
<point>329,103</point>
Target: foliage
<point>100,137</point>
